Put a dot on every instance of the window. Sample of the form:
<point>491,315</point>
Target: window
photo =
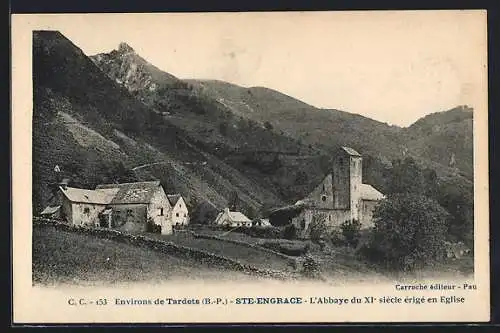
<point>86,210</point>
<point>177,214</point>
<point>323,198</point>
<point>161,211</point>
<point>129,212</point>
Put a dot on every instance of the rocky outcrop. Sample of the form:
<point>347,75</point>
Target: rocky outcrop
<point>126,67</point>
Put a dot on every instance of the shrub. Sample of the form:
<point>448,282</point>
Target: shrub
<point>336,238</point>
<point>317,229</point>
<point>311,268</point>
<point>351,232</point>
<point>409,232</point>
<point>152,227</point>
<point>290,232</point>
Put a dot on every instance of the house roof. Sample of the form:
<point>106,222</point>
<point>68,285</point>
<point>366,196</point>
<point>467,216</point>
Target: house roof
<point>130,193</point>
<point>368,192</point>
<point>173,198</point>
<point>238,217</point>
<point>50,210</point>
<point>104,196</point>
<point>351,151</point>
<point>235,216</point>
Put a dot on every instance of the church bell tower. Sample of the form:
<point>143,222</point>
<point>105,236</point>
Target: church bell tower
<point>347,180</point>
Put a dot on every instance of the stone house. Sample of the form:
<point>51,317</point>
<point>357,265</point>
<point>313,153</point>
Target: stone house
<point>128,207</point>
<point>261,223</point>
<point>341,196</point>
<point>232,219</point>
<point>180,214</point>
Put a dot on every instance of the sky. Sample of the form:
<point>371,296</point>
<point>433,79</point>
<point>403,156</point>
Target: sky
<point>394,67</point>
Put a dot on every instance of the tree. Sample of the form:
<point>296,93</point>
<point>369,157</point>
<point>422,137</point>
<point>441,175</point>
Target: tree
<point>234,201</point>
<point>351,232</point>
<point>204,213</point>
<point>407,177</point>
<point>459,202</point>
<point>409,231</point>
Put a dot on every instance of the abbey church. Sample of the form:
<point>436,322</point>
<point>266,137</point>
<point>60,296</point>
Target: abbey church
<point>340,197</point>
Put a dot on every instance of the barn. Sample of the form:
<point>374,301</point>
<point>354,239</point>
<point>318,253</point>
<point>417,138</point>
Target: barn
<point>131,207</point>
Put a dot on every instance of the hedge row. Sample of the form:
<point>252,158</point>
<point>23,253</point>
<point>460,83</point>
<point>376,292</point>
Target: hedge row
<point>164,247</point>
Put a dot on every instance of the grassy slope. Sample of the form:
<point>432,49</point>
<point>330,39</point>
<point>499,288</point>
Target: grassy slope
<point>65,80</point>
<point>69,258</point>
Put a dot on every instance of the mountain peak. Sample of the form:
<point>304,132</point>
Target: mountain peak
<point>125,48</point>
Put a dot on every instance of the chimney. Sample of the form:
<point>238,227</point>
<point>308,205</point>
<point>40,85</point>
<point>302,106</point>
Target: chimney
<point>226,210</point>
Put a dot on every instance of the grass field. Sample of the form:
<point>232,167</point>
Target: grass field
<point>70,258</point>
<point>77,259</point>
<point>243,254</point>
<point>341,264</point>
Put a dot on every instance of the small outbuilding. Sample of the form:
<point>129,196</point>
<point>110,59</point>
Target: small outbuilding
<point>232,219</point>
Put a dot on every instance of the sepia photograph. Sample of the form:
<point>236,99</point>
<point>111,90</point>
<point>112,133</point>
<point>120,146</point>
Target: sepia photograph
<point>245,148</point>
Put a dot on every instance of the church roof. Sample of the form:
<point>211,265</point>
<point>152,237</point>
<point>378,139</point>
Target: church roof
<point>132,193</point>
<point>351,151</point>
<point>368,192</point>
